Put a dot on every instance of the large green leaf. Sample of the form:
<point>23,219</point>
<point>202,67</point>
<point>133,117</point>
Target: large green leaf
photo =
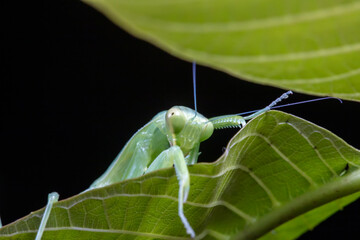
<point>311,46</point>
<point>278,168</point>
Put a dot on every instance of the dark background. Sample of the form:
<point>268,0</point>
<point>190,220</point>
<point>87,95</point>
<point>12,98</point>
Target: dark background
<point>75,87</point>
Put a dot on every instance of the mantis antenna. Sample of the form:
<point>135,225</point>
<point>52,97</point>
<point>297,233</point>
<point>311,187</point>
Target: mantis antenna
<point>235,120</point>
<point>194,85</point>
<point>271,105</point>
<point>291,104</point>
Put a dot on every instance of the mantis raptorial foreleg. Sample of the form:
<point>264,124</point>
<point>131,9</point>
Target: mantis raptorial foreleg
<point>174,156</point>
<point>182,174</point>
<point>164,160</point>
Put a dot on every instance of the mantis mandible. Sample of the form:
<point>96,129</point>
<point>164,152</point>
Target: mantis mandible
<point>171,138</point>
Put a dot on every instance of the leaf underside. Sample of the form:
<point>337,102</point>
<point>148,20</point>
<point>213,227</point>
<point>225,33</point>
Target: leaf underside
<point>310,46</point>
<point>279,169</point>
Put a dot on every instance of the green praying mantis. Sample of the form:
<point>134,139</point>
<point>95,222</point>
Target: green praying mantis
<point>171,138</point>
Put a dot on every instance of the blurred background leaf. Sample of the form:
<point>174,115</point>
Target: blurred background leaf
<point>308,46</point>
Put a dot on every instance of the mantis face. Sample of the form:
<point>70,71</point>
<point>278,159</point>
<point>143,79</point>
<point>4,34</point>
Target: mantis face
<point>186,128</point>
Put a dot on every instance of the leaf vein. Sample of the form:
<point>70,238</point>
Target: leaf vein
<point>283,156</point>
<point>195,204</point>
<point>247,25</point>
<point>292,56</point>
<point>312,146</point>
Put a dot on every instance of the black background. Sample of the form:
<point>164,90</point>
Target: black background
<point>75,87</point>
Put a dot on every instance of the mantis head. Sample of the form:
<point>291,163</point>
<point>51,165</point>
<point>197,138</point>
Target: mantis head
<point>186,128</point>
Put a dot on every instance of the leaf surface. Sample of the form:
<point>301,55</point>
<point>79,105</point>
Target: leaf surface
<point>279,169</point>
<point>310,46</point>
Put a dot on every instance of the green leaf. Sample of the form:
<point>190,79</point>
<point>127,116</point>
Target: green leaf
<point>279,176</point>
<point>310,46</point>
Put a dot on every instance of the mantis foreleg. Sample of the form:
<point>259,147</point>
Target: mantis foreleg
<point>174,156</point>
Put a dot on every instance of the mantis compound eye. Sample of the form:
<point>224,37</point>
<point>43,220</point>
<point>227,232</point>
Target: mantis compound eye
<point>207,131</point>
<point>175,119</point>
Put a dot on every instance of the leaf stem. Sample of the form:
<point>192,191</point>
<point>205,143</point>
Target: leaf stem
<point>346,185</point>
